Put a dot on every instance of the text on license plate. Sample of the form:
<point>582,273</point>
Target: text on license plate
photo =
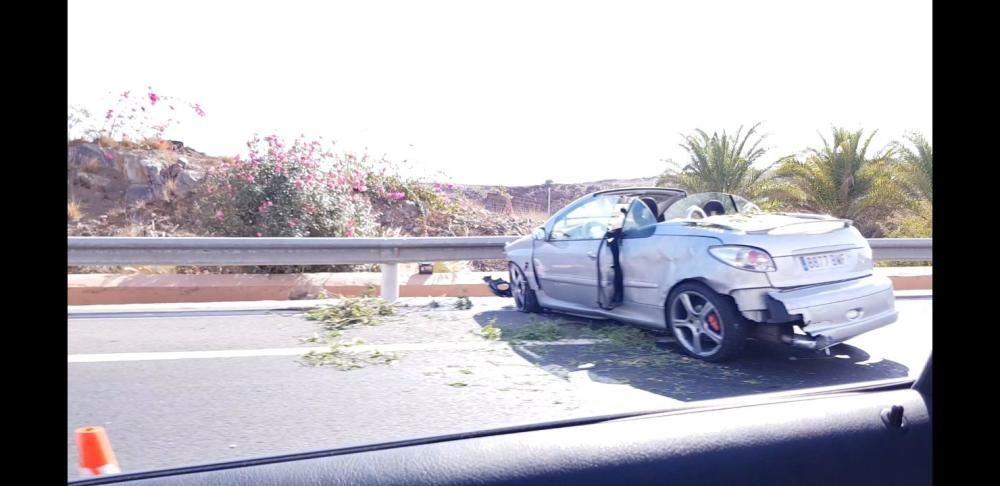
<point>817,262</point>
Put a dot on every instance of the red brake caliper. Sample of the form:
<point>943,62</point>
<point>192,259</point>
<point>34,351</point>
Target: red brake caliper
<point>713,322</point>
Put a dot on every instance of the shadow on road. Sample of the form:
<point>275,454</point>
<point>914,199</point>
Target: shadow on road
<point>658,365</point>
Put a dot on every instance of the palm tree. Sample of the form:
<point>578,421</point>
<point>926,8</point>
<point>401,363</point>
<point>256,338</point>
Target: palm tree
<point>721,163</point>
<point>844,180</point>
<point>916,167</point>
<point>919,164</point>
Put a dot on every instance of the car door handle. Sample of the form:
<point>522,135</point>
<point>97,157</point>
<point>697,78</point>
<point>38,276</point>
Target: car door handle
<point>592,255</point>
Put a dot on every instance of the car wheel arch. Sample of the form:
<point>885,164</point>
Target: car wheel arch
<point>717,288</point>
<point>523,259</point>
<point>528,271</point>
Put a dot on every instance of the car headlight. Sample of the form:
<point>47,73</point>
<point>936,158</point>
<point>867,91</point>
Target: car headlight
<point>743,257</point>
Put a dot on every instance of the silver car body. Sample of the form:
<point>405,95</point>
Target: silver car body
<point>823,279</point>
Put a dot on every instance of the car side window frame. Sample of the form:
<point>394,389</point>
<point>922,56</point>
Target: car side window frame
<point>562,215</point>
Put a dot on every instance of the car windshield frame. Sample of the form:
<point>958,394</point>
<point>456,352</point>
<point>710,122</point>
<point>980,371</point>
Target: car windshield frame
<point>627,193</point>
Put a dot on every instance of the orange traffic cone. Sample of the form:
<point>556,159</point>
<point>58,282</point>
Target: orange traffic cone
<point>96,456</point>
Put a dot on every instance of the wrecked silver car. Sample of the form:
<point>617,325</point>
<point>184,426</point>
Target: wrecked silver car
<point>711,267</point>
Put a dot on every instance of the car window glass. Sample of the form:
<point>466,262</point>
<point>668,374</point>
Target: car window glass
<point>639,216</point>
<point>744,206</point>
<point>589,221</point>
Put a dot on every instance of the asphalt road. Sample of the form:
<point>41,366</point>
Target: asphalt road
<point>195,387</point>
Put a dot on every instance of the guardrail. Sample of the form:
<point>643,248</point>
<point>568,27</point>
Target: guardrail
<point>902,249</point>
<point>389,252</point>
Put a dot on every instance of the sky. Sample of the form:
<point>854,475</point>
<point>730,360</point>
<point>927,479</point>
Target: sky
<point>512,92</point>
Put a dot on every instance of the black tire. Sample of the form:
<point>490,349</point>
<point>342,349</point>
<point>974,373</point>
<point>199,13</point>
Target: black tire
<point>719,331</point>
<point>524,296</point>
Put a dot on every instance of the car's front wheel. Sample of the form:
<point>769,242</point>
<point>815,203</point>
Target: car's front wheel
<point>707,325</point>
<point>524,295</point>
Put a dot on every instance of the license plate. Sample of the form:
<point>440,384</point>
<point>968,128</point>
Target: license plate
<point>819,262</point>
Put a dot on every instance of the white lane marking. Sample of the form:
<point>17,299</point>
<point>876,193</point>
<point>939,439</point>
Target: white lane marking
<point>168,309</point>
<point>253,353</point>
<point>534,356</point>
<point>356,348</point>
<point>221,314</point>
<point>561,342</point>
<point>169,355</point>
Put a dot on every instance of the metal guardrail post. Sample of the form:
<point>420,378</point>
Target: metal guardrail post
<point>390,281</point>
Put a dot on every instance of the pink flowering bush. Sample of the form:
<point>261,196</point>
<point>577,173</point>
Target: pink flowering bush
<point>279,190</point>
<point>133,117</point>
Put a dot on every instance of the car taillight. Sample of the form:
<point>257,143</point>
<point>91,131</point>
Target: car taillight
<point>743,257</point>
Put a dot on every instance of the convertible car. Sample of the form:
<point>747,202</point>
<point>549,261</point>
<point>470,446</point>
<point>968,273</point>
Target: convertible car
<point>710,267</point>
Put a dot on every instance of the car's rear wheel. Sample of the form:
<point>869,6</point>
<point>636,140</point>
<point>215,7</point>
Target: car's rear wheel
<point>707,325</point>
<point>524,296</point>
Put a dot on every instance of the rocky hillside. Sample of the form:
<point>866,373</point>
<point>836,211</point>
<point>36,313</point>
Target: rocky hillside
<point>534,200</point>
<point>133,190</point>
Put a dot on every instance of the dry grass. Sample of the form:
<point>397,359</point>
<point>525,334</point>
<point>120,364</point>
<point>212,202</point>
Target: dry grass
<point>533,215</point>
<point>92,166</point>
<point>108,142</point>
<point>452,267</point>
<point>151,270</point>
<point>392,232</point>
<point>73,211</point>
<point>208,163</point>
<point>131,230</point>
<point>170,190</point>
<point>157,144</point>
<point>120,164</point>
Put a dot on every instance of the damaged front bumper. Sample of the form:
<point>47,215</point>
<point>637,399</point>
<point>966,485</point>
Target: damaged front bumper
<point>833,313</point>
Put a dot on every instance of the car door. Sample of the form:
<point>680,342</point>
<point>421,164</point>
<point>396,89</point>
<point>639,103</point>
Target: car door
<point>565,261</point>
<point>638,264</point>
